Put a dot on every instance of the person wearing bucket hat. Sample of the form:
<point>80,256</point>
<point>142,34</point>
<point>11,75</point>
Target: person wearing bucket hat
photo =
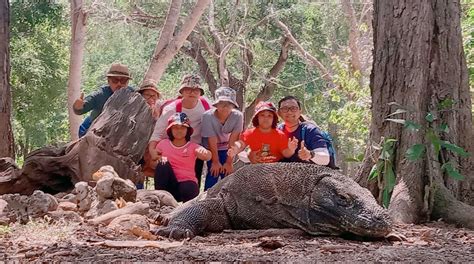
<point>267,144</point>
<point>149,91</point>
<point>118,76</point>
<point>221,127</point>
<point>174,170</point>
<point>190,102</point>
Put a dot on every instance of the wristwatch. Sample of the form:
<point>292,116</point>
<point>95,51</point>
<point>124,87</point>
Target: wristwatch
<point>312,154</point>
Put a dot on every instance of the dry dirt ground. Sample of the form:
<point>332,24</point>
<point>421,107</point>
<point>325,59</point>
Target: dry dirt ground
<point>47,242</point>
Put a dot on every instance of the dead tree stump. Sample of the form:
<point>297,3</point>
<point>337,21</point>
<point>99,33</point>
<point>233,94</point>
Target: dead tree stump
<point>118,137</point>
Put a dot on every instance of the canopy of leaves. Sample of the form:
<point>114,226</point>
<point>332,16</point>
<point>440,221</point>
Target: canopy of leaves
<point>39,70</point>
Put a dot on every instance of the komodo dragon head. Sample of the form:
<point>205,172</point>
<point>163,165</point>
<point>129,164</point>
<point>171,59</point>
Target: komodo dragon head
<point>339,205</point>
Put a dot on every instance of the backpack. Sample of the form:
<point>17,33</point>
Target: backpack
<point>179,104</point>
<point>329,143</point>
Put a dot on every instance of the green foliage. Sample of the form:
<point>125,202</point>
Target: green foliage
<point>433,138</point>
<point>467,25</point>
<point>39,65</point>
<point>383,169</point>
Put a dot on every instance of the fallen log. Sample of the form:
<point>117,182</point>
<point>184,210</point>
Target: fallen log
<point>136,208</point>
<point>117,137</point>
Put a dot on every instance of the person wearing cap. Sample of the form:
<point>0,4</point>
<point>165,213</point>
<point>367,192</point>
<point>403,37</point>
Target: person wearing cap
<point>221,127</point>
<point>267,144</point>
<point>149,91</point>
<point>118,76</point>
<point>193,104</point>
<point>177,157</point>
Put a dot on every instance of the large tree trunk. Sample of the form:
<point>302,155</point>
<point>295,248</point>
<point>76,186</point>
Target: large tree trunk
<point>118,137</point>
<point>165,37</point>
<point>6,133</point>
<point>160,61</point>
<point>419,63</point>
<point>78,33</point>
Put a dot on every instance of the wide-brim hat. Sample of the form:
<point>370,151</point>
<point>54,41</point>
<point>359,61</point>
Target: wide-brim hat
<point>192,81</point>
<point>149,84</point>
<point>119,70</point>
<point>179,119</point>
<point>265,106</point>
<point>225,94</point>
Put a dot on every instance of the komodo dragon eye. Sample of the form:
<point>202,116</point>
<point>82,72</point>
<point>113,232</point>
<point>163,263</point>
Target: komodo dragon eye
<point>343,199</point>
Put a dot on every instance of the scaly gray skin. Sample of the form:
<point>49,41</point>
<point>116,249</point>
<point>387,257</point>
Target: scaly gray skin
<point>316,199</point>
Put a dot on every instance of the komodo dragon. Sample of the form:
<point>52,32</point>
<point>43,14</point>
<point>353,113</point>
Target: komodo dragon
<point>316,199</point>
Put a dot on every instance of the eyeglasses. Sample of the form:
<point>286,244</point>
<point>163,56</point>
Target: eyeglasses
<point>191,90</point>
<point>148,96</point>
<point>117,80</point>
<point>291,108</point>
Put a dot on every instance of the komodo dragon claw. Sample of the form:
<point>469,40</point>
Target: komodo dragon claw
<point>176,233</point>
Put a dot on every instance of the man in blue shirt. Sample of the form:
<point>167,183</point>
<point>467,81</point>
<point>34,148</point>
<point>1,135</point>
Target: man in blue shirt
<point>117,78</point>
<point>312,146</point>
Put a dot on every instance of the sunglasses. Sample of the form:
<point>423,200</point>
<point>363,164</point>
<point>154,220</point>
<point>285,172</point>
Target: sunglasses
<point>291,108</point>
<point>118,80</point>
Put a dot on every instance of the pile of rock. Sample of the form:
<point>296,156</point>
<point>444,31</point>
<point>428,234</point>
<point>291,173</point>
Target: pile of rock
<point>113,201</point>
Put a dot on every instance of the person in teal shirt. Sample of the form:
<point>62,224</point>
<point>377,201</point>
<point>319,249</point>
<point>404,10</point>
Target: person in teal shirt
<point>117,78</point>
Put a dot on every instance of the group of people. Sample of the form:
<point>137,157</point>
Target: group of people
<point>191,129</point>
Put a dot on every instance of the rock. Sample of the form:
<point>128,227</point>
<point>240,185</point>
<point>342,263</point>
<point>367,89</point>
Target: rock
<point>106,170</point>
<point>21,207</point>
<point>67,206</point>
<point>4,219</point>
<point>70,197</point>
<point>67,216</point>
<point>40,203</point>
<point>101,207</point>
<point>111,187</point>
<point>84,196</point>
<point>156,198</point>
<point>124,223</point>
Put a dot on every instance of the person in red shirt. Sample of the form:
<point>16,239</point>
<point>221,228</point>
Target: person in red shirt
<point>266,143</point>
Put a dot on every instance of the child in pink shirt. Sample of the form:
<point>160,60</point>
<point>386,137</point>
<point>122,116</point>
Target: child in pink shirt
<point>175,169</point>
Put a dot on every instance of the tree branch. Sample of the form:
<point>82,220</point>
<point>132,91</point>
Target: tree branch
<point>195,52</point>
<point>223,72</point>
<point>269,83</point>
<point>325,74</point>
<point>353,35</point>
<point>218,43</point>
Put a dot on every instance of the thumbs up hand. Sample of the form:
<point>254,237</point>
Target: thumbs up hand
<point>79,103</point>
<point>293,144</point>
<point>304,153</point>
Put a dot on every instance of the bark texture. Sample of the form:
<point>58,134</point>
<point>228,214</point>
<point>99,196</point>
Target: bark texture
<point>419,63</point>
<point>78,33</point>
<point>164,56</point>
<point>6,133</point>
<point>118,137</point>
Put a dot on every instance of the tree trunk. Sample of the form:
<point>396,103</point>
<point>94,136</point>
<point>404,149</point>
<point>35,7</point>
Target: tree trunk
<point>165,36</point>
<point>419,64</point>
<point>6,133</point>
<point>117,137</point>
<point>78,33</point>
<point>161,60</point>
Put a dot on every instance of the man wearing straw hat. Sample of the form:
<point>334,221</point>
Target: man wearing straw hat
<point>117,78</point>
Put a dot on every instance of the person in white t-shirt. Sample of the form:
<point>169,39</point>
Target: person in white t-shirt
<point>193,104</point>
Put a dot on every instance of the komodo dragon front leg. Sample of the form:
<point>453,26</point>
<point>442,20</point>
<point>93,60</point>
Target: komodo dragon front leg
<point>196,218</point>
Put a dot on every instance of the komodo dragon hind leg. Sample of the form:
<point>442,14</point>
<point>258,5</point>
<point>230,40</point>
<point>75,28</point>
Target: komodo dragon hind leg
<point>194,219</point>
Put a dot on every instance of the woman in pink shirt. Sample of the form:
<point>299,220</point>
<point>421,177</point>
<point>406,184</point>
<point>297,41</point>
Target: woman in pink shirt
<point>177,156</point>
